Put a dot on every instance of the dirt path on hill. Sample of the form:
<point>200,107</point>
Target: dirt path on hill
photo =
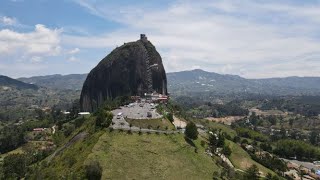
<point>179,123</point>
<point>76,138</point>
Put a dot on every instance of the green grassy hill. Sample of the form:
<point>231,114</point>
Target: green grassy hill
<point>151,156</point>
<point>124,155</point>
<point>130,156</point>
<point>242,160</point>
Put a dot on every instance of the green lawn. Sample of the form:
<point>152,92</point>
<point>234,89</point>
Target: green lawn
<point>161,123</point>
<point>151,156</point>
<point>242,160</point>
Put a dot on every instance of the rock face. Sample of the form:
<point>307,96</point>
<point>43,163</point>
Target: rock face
<point>134,68</point>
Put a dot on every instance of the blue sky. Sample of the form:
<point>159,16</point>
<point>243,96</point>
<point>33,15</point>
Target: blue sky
<point>251,38</point>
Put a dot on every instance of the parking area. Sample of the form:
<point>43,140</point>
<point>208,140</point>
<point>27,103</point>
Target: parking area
<point>138,111</point>
<point>133,111</point>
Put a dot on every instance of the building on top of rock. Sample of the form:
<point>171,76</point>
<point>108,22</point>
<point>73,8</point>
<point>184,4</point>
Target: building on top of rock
<point>143,37</point>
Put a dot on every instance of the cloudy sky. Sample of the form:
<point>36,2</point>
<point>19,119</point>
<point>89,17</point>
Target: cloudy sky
<point>253,39</point>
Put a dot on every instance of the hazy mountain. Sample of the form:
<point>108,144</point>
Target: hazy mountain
<point>13,83</point>
<point>202,81</point>
<point>197,80</point>
<point>19,99</point>
<point>57,81</point>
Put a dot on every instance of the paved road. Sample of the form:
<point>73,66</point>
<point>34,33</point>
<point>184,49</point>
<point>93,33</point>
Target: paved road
<point>137,129</point>
<point>307,165</point>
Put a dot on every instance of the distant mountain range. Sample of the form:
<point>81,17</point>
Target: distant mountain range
<point>199,81</point>
<point>13,83</point>
<point>18,98</point>
<point>57,81</point>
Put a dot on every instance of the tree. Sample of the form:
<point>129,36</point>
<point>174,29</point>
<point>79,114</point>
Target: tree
<point>104,118</point>
<point>253,118</point>
<point>272,120</point>
<point>252,173</point>
<point>313,137</point>
<point>68,129</point>
<point>291,122</point>
<point>170,117</point>
<point>268,176</point>
<point>191,131</point>
<point>266,147</point>
<point>94,170</point>
<point>226,150</point>
<point>14,166</point>
<point>236,139</point>
<point>283,132</point>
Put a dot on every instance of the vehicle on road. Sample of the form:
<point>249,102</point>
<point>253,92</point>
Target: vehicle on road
<point>149,114</point>
<point>119,115</point>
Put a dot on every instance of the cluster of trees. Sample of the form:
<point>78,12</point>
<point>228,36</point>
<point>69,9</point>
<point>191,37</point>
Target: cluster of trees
<point>217,140</point>
<point>104,118</point>
<point>195,106</point>
<point>229,109</point>
<point>14,166</point>
<point>289,148</point>
<point>251,134</point>
<point>115,103</point>
<point>13,136</point>
<point>252,173</point>
<point>305,105</point>
<point>271,162</point>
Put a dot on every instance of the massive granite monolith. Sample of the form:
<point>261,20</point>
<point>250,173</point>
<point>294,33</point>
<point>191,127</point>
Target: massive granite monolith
<point>135,68</point>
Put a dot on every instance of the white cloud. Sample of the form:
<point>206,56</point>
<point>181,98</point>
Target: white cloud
<point>245,37</point>
<point>42,41</point>
<point>73,59</point>
<point>36,59</point>
<point>74,51</point>
<point>7,21</point>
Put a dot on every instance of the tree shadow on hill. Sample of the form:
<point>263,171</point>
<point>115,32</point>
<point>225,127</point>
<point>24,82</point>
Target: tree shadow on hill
<point>189,141</point>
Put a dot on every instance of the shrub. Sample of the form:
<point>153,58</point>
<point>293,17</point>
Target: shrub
<point>226,150</point>
<point>202,143</point>
<point>93,170</point>
<point>191,131</point>
<point>170,117</point>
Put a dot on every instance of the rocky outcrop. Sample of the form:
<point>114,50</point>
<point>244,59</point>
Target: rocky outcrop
<point>134,68</point>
